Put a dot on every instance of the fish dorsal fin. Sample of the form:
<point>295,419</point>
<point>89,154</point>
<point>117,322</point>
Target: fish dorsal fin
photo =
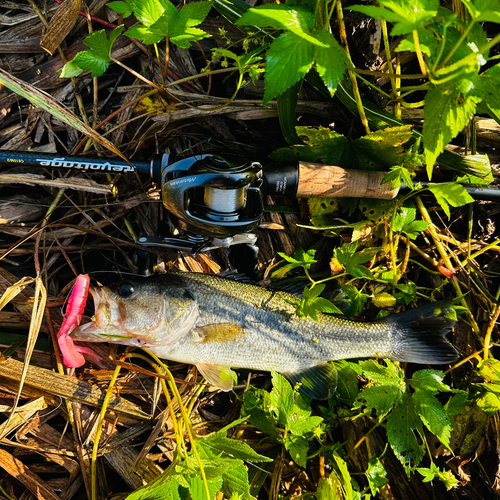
<point>220,332</point>
<point>317,382</point>
<point>220,376</point>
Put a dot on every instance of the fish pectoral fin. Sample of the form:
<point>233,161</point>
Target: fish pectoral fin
<point>220,332</point>
<point>317,382</point>
<point>220,376</point>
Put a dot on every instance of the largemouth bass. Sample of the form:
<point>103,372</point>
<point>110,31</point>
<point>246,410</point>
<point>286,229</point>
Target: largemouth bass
<point>217,323</point>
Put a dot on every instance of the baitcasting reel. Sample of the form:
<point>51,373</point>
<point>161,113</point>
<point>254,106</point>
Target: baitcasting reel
<point>216,199</point>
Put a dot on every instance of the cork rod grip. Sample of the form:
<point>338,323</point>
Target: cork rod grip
<point>317,180</point>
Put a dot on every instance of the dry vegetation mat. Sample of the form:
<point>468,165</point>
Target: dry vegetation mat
<point>409,89</point>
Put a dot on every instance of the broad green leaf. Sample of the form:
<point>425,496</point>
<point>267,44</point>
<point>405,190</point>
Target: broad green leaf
<point>124,8</point>
<point>406,293</point>
<point>380,398</point>
<point>351,301</point>
<point>69,70</point>
<point>300,258</point>
<point>298,19</point>
<point>490,83</point>
<point>450,193</point>
<point>190,35</point>
<point>383,300</point>
<point>348,384</point>
<point>256,404</point>
<point>397,175</point>
<point>429,380</point>
<point>456,404</point>
<point>97,59</point>
<point>238,449</point>
<point>433,415</point>
<point>147,11</point>
<point>489,369</point>
<point>236,482</point>
<point>346,477</point>
<point>483,10</point>
<point>288,59</point>
<point>379,150</point>
<point>390,374</point>
<point>168,490</point>
<point>434,472</point>
<point>144,33</point>
<point>193,13</point>
<point>331,60</point>
<point>405,222</point>
<point>447,110</point>
<point>311,303</point>
<point>298,447</point>
<point>282,398</point>
<point>329,488</point>
<point>406,16</point>
<point>402,424</point>
<point>376,474</point>
<point>348,257</point>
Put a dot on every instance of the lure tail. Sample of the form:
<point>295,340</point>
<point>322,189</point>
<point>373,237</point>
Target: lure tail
<point>420,335</point>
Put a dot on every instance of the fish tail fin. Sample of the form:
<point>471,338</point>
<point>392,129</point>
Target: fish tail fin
<point>419,335</point>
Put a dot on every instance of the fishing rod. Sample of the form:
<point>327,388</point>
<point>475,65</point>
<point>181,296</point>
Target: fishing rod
<point>216,199</point>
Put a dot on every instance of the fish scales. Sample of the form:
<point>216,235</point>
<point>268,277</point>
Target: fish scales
<point>217,323</point>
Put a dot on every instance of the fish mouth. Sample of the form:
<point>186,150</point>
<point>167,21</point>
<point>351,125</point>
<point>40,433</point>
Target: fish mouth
<point>105,324</point>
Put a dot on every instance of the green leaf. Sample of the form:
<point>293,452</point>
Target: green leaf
<point>219,443</point>
<point>406,292</point>
<point>406,16</point>
<point>311,303</point>
<point>405,222</point>
<point>331,60</point>
<point>376,474</point>
<point>147,11</point>
<point>298,447</point>
<point>397,175</point>
<point>351,301</point>
<point>383,300</point>
<point>347,388</point>
<point>433,415</point>
<point>379,150</point>
<point>490,83</point>
<point>450,193</point>
<point>456,404</point>
<point>402,423</point>
<point>282,398</point>
<point>483,10</point>
<point>298,19</point>
<point>380,398</point>
<point>300,259</point>
<point>448,108</point>
<point>288,59</point>
<point>434,472</point>
<point>429,380</point>
<point>97,59</point>
<point>168,490</point>
<point>69,70</point>
<point>348,257</point>
<point>124,8</point>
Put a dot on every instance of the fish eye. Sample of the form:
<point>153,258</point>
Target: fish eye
<point>125,289</point>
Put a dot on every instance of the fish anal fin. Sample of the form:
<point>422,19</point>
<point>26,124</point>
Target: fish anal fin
<point>317,382</point>
<point>220,376</point>
<point>220,332</point>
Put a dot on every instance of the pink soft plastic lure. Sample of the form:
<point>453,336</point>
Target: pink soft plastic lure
<point>72,354</point>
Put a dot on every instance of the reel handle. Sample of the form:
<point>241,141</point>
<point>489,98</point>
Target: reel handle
<point>314,180</point>
<point>327,181</point>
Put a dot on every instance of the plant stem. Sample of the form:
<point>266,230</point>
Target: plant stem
<point>456,46</point>
<point>98,432</point>
<point>420,56</point>
<point>388,58</point>
<point>138,75</point>
<point>446,260</point>
<point>350,69</point>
